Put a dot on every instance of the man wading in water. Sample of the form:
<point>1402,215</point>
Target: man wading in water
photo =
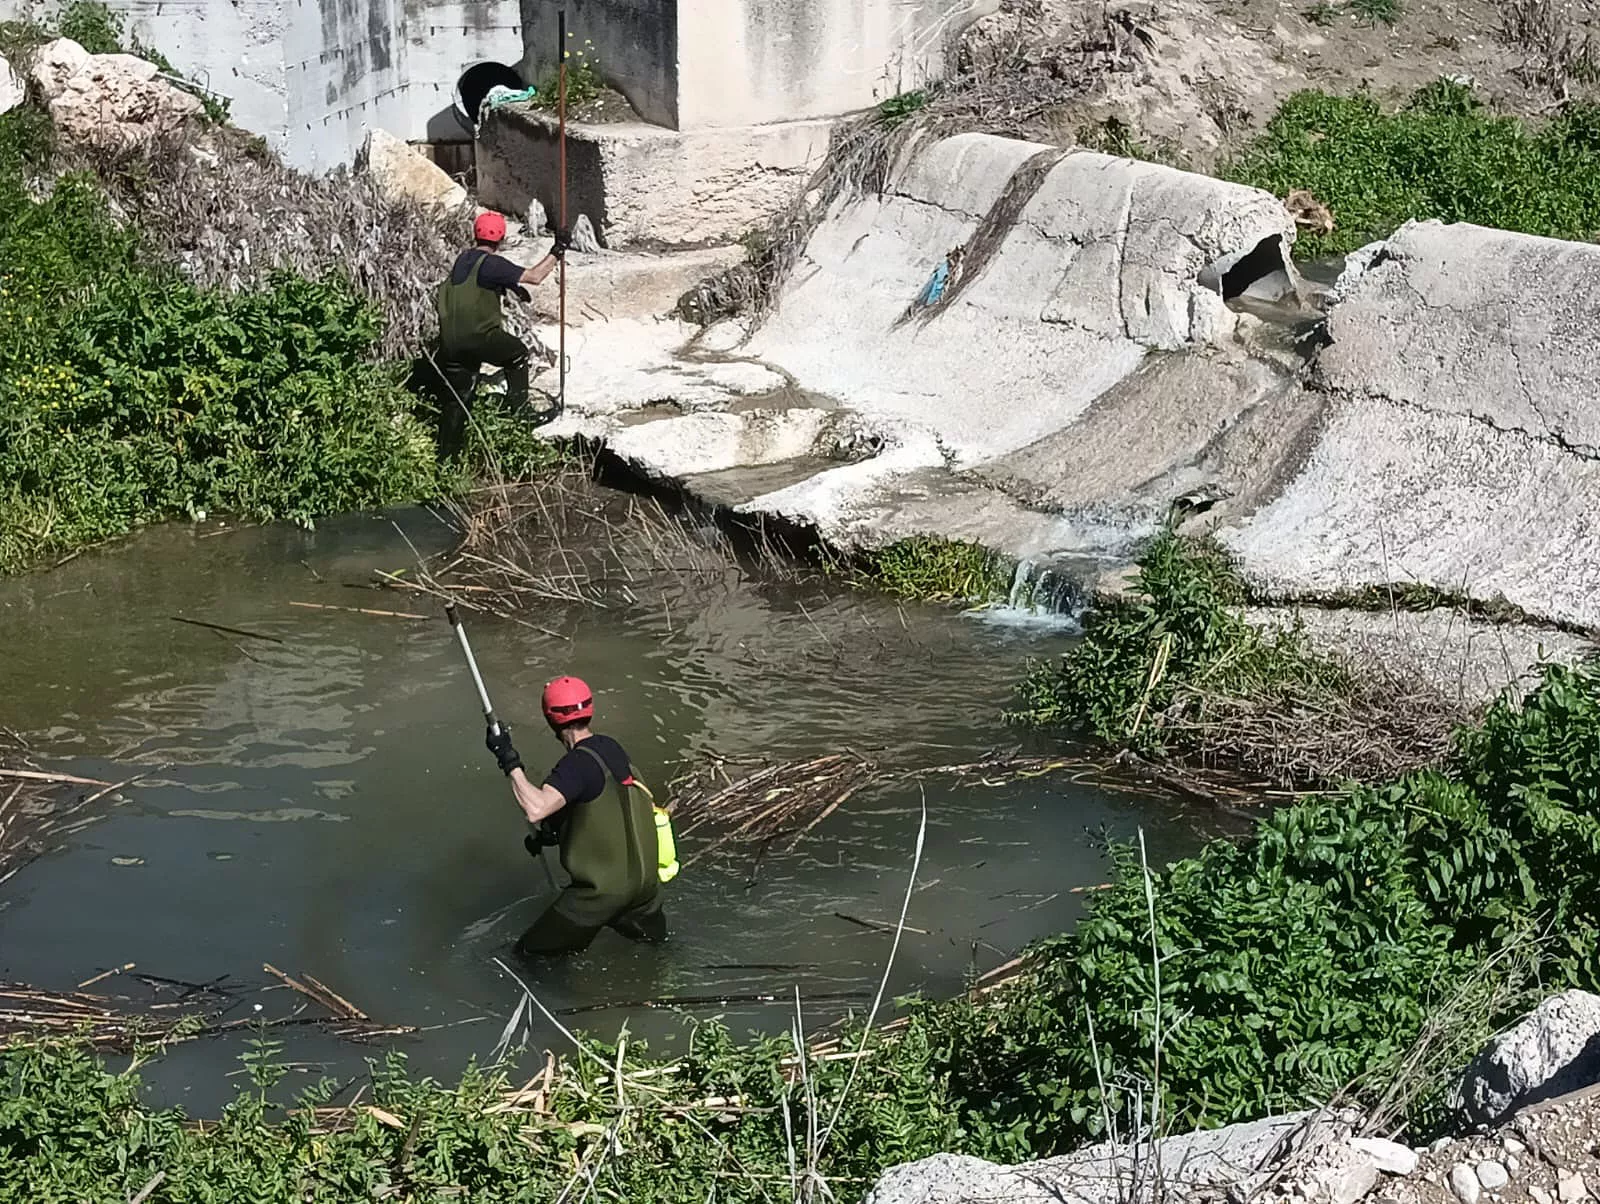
<point>604,824</point>
<point>472,329</point>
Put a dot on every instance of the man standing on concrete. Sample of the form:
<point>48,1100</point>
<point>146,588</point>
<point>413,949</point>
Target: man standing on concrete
<point>472,329</point>
<point>603,822</point>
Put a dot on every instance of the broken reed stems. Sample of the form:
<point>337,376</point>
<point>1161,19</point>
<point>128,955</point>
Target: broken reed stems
<point>562,541</point>
<point>38,808</point>
<point>121,1024</point>
<point>778,800</point>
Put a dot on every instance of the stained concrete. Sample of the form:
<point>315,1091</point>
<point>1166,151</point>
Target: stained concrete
<point>726,64</point>
<point>642,184</point>
<point>1084,378</point>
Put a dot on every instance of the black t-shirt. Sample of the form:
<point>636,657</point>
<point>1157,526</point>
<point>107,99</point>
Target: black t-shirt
<point>577,776</point>
<point>498,274</point>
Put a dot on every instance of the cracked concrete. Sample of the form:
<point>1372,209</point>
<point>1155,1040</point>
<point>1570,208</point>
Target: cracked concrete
<point>1086,374</point>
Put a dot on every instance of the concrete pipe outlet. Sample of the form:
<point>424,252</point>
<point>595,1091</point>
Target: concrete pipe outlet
<point>475,84</point>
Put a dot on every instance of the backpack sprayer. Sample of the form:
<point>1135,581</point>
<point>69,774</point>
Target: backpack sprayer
<point>666,845</point>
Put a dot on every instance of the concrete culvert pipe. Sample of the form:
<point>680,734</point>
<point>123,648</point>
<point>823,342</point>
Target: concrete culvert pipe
<point>474,85</point>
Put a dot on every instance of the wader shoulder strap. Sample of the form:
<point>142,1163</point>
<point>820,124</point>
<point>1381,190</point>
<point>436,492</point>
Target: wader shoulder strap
<point>622,785</point>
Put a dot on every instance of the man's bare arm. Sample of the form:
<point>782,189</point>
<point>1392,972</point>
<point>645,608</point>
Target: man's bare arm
<point>537,802</point>
<point>540,271</point>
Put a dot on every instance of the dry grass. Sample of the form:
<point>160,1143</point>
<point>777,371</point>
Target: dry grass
<point>223,207</point>
<point>774,804</point>
<point>1375,728</point>
<point>156,1010</point>
<point>563,540</point>
<point>1557,53</point>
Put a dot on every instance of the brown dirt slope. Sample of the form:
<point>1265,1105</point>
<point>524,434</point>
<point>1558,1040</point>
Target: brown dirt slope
<point>1195,78</point>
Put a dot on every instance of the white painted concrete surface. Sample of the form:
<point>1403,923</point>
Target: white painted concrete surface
<point>706,64</point>
<point>313,76</point>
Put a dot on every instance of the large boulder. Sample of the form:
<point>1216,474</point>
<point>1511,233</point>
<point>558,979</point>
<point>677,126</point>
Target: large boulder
<point>56,62</point>
<point>109,100</point>
<point>1553,1050</point>
<point>1309,1155</point>
<point>402,172</point>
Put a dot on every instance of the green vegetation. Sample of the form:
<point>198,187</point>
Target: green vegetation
<point>1148,664</point>
<point>928,568</point>
<point>1373,12</point>
<point>128,395</point>
<point>1444,155</point>
<point>93,26</point>
<point>898,107</point>
<point>584,81</point>
<point>71,1131</point>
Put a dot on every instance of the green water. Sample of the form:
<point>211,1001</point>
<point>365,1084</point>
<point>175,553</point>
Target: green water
<point>321,800</point>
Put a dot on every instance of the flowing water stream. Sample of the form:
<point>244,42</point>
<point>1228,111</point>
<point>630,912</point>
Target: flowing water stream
<point>321,799</point>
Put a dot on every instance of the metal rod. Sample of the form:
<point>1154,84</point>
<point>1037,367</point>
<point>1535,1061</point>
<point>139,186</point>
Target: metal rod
<point>472,664</point>
<point>561,202</point>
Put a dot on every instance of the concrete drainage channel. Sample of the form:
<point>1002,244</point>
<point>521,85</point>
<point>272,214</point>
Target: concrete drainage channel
<point>1132,339</point>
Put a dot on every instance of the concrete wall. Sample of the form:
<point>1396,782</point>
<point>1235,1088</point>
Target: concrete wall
<point>634,41</point>
<point>1092,263</point>
<point>312,76</point>
<point>1461,448</point>
<point>744,62</point>
<point>707,64</point>
<point>642,184</point>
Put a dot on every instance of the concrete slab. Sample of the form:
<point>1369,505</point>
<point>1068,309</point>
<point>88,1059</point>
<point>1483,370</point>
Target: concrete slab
<point>643,184</point>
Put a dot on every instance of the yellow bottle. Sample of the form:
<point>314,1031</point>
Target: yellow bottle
<point>666,847</point>
<point>666,844</point>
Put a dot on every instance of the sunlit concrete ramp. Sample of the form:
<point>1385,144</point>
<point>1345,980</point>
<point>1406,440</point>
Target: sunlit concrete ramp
<point>1076,267</point>
<point>1086,284</point>
<point>1461,442</point>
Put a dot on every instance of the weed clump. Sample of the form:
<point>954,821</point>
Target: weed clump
<point>1444,155</point>
<point>928,568</point>
<point>1175,669</point>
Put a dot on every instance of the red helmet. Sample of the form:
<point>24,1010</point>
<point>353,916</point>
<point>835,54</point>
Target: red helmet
<point>567,700</point>
<point>489,227</point>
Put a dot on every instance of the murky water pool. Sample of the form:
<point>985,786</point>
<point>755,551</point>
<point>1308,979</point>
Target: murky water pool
<point>320,798</point>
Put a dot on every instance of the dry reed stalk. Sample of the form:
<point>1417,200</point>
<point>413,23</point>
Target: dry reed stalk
<point>563,541</point>
<point>769,801</point>
<point>121,1023</point>
<point>229,213</point>
<point>1375,728</point>
<point>39,808</point>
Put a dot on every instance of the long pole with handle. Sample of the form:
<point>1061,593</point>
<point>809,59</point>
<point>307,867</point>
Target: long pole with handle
<point>561,201</point>
<point>472,664</point>
<point>537,848</point>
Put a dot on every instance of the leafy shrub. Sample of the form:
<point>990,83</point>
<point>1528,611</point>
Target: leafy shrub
<point>929,568</point>
<point>129,395</point>
<point>1317,952</point>
<point>1443,156</point>
<point>1150,660</point>
<point>93,26</point>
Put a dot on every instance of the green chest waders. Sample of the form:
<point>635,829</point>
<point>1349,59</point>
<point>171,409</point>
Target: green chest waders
<point>468,313</point>
<point>608,847</point>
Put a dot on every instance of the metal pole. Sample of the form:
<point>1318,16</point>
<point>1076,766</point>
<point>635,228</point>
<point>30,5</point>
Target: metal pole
<point>472,664</point>
<point>561,203</point>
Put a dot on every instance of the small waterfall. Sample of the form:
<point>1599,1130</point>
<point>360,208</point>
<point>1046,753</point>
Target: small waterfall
<point>1040,594</point>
